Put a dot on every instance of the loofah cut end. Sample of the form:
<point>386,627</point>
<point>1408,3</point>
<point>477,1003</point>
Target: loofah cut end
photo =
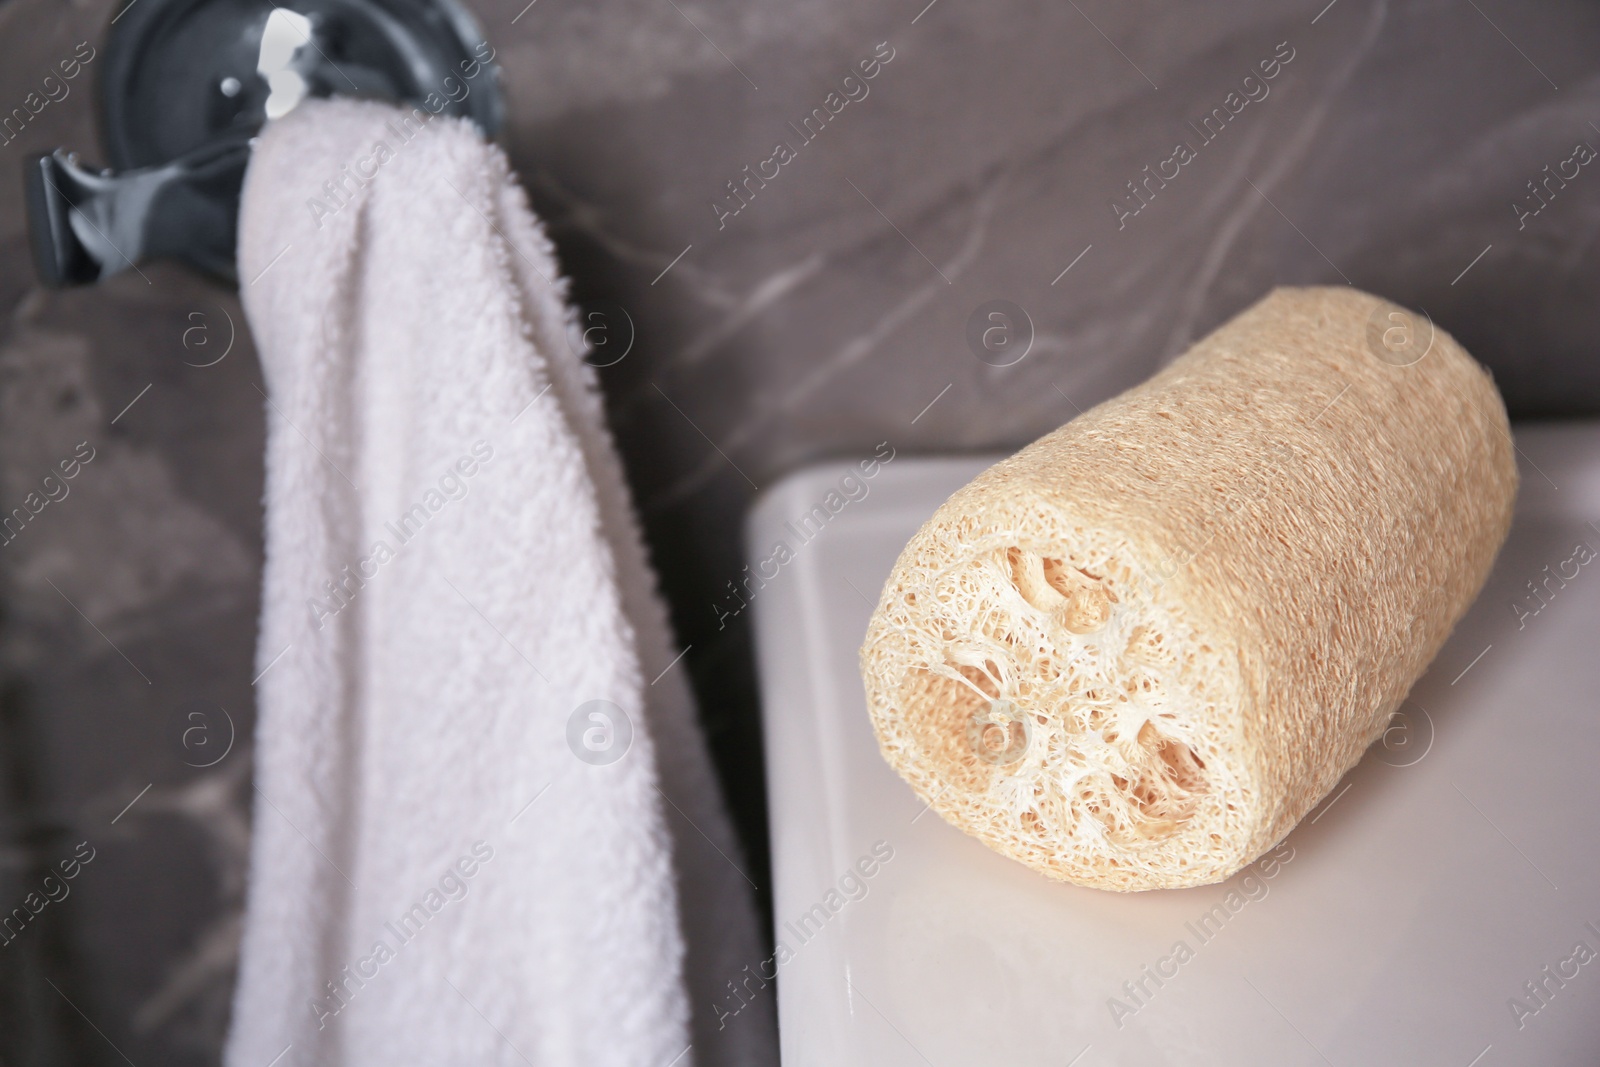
<point>1054,703</point>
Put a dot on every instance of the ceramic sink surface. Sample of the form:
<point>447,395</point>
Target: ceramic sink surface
<point>1440,906</point>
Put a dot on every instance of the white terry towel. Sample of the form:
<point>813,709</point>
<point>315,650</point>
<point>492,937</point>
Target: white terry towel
<point>453,571</point>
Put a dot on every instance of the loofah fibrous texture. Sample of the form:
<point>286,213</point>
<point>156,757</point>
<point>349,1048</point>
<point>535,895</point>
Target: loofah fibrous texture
<point>1135,654</point>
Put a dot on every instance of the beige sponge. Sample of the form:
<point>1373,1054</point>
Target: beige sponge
<point>1135,654</point>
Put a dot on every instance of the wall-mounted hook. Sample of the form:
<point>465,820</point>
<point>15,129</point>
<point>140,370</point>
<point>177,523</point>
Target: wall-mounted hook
<point>186,84</point>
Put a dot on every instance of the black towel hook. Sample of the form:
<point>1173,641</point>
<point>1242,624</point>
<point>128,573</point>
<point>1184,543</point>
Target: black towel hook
<point>185,85</point>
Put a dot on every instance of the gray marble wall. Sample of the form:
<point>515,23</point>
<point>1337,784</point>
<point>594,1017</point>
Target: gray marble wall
<point>987,159</point>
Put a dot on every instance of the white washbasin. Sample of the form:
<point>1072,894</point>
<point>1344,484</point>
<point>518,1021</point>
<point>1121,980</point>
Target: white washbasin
<point>1401,924</point>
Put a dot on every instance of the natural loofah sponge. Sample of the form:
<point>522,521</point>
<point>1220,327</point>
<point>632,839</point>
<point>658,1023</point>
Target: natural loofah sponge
<point>1135,654</point>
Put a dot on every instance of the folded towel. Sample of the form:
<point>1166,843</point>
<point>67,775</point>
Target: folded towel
<point>477,816</point>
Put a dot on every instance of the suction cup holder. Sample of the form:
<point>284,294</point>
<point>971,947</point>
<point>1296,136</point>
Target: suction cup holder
<point>184,87</point>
